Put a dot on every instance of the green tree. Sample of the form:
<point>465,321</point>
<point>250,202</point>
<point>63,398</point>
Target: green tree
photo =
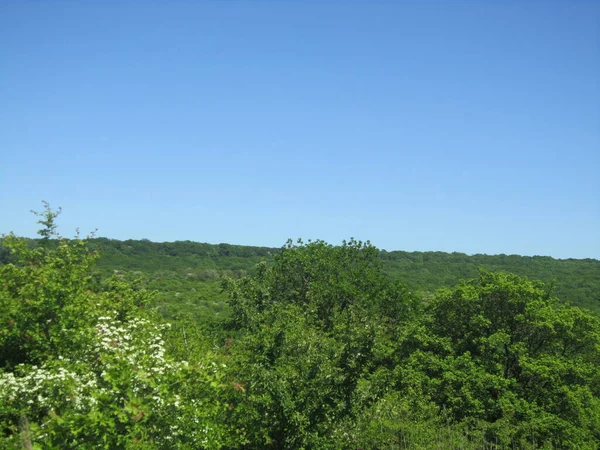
<point>305,332</point>
<point>517,362</point>
<point>42,295</point>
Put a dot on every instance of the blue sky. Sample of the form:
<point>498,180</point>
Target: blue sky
<point>470,126</point>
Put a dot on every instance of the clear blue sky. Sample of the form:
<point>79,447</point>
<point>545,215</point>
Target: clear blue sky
<point>470,126</point>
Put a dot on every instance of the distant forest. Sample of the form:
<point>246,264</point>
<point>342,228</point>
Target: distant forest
<point>181,266</point>
<point>576,280</point>
<point>187,268</point>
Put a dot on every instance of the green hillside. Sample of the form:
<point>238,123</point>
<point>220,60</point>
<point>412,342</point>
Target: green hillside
<point>187,275</point>
<point>576,280</point>
<point>193,269</point>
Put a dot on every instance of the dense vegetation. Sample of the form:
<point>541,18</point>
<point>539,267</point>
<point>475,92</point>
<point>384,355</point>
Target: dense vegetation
<point>319,347</point>
<point>187,275</point>
<point>190,271</point>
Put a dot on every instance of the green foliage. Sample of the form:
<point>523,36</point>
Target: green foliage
<point>42,295</point>
<point>576,280</point>
<point>90,369</point>
<point>120,391</point>
<point>186,275</point>
<point>518,363</point>
<point>316,347</point>
<point>306,332</point>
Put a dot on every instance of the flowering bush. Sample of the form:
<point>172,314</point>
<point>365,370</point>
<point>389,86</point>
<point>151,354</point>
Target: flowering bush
<point>124,391</point>
<point>82,369</point>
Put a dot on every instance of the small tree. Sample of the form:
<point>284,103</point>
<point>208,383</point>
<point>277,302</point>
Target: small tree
<point>43,293</point>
